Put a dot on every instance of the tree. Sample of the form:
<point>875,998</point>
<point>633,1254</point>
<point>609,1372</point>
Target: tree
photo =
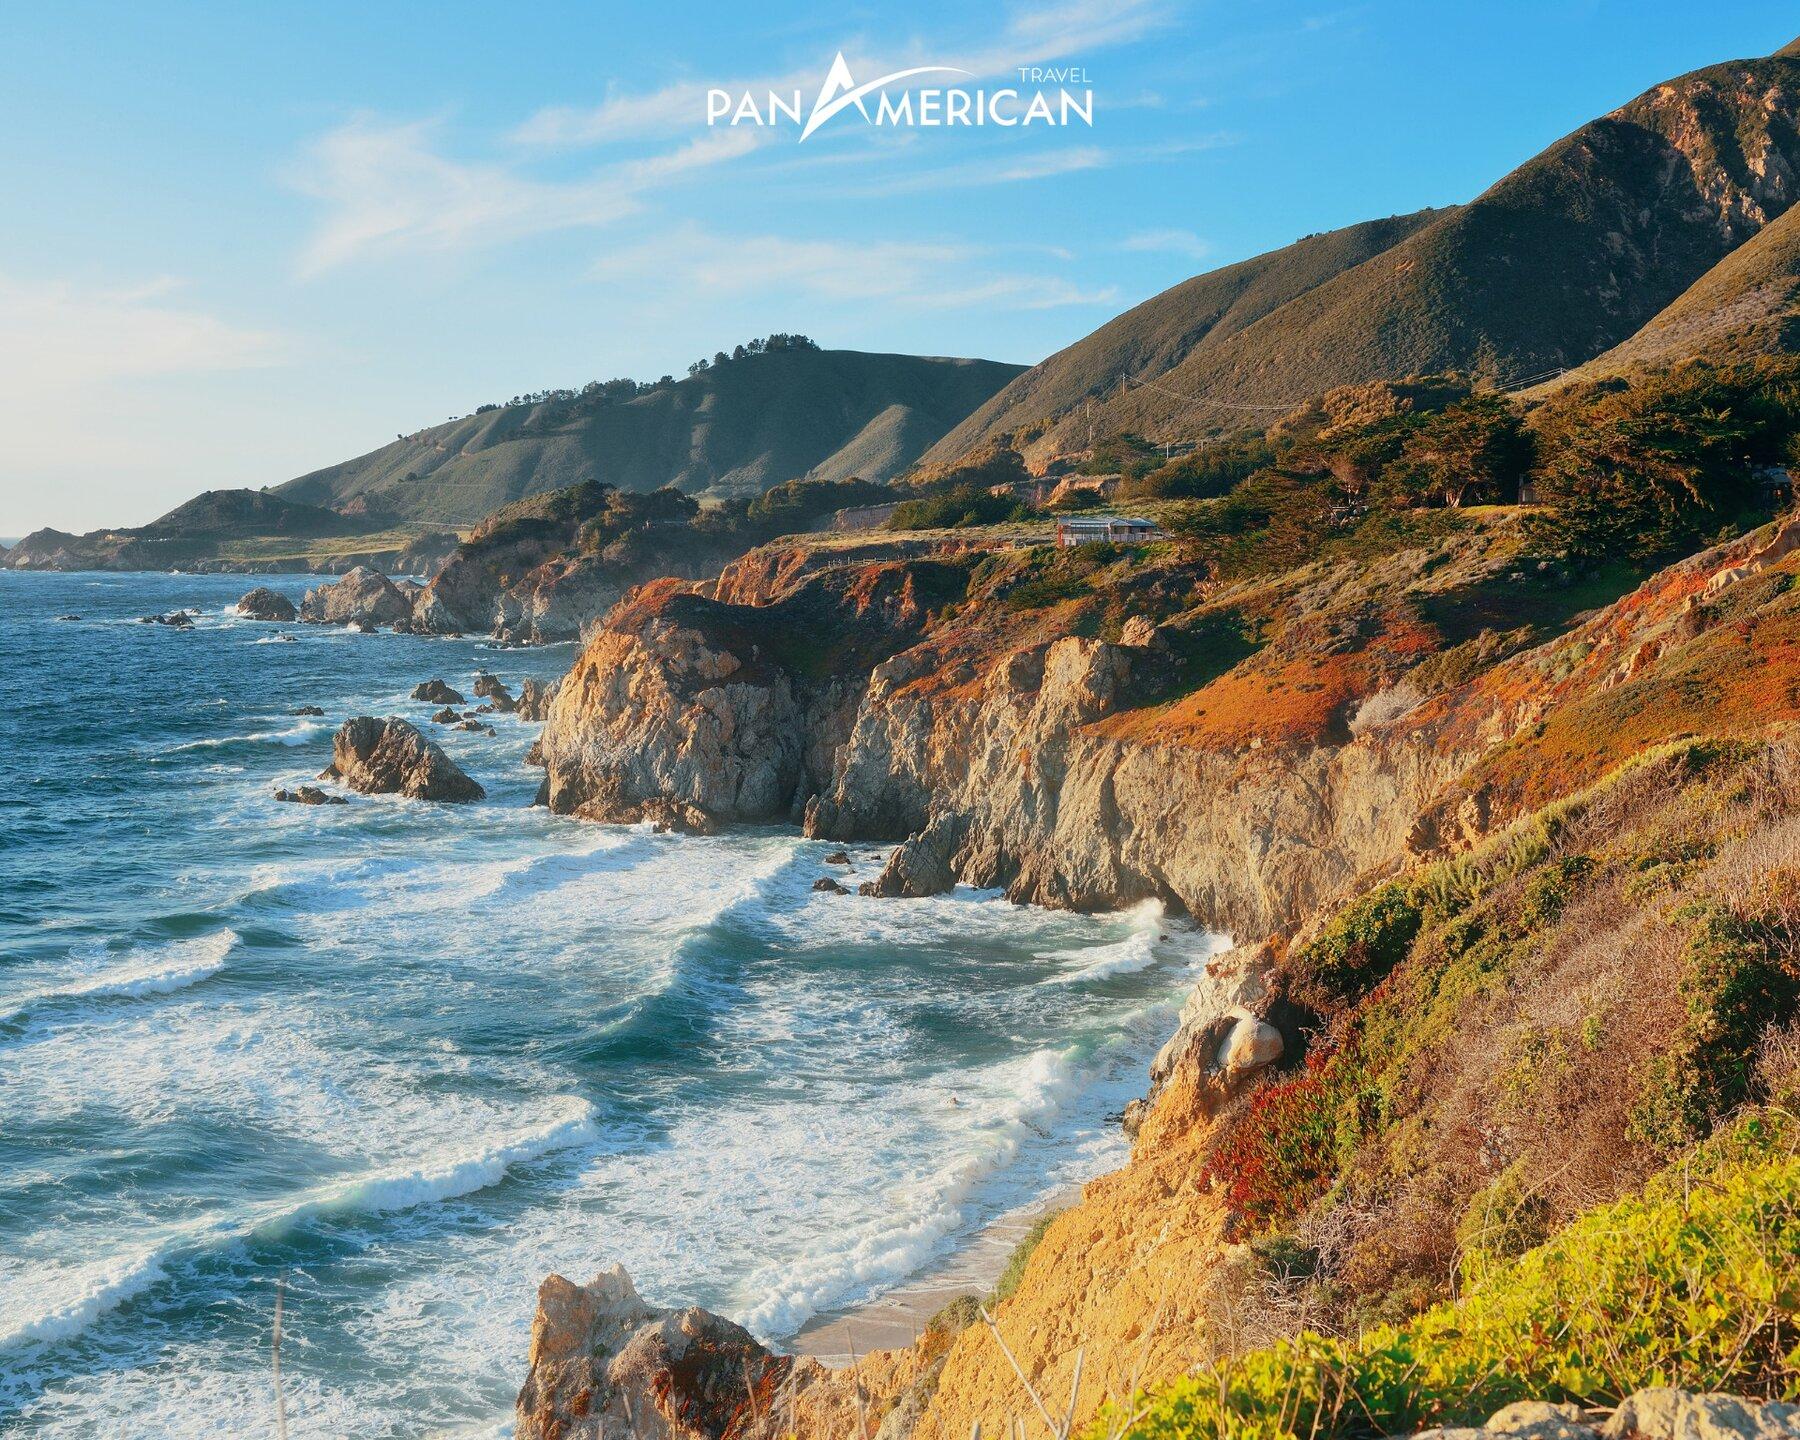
<point>1472,450</point>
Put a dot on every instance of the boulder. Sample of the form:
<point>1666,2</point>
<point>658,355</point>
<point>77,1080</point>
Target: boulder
<point>310,795</point>
<point>829,886</point>
<point>838,857</point>
<point>363,597</point>
<point>180,619</point>
<point>1655,1414</point>
<point>923,865</point>
<point>262,603</point>
<point>603,1363</point>
<point>488,687</point>
<point>309,710</point>
<point>436,692</point>
<point>390,757</point>
<point>446,716</point>
<point>1663,1413</point>
<point>534,699</point>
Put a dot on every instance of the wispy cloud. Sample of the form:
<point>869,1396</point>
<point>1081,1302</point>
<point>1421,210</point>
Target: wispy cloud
<point>926,274</point>
<point>57,334</point>
<point>92,398</point>
<point>387,189</point>
<point>1168,242</point>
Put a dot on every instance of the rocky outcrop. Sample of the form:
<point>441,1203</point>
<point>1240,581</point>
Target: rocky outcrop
<point>534,699</point>
<point>488,687</point>
<point>1661,1413</point>
<point>604,1363</point>
<point>362,597</point>
<point>262,603</point>
<point>390,757</point>
<point>309,795</point>
<point>436,692</point>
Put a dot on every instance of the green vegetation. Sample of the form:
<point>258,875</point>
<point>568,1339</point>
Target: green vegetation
<point>1020,1258</point>
<point>1690,1284</point>
<point>957,508</point>
<point>729,430</point>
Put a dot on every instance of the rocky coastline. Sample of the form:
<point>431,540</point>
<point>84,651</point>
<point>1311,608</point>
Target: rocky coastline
<point>906,701</point>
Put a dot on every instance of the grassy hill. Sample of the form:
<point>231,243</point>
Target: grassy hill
<point>1192,317</point>
<point>1746,305</point>
<point>1568,255</point>
<point>733,429</point>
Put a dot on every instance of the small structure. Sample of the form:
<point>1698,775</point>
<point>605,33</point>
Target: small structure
<point>1115,529</point>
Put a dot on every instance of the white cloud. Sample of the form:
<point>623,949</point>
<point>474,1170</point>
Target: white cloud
<point>1168,242</point>
<point>99,391</point>
<point>57,335</point>
<point>695,262</point>
<point>388,190</point>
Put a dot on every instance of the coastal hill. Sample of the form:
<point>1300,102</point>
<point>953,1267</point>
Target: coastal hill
<point>1746,305</point>
<point>1568,255</point>
<point>1498,799</point>
<point>237,530</point>
<point>734,428</point>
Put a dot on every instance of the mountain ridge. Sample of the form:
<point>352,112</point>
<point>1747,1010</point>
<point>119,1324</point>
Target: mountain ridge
<point>1566,255</point>
<point>734,428</point>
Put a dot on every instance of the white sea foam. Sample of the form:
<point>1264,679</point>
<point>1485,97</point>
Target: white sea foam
<point>67,1301</point>
<point>56,1302</point>
<point>182,964</point>
<point>1137,951</point>
<point>296,734</point>
<point>894,1247</point>
<point>457,1169</point>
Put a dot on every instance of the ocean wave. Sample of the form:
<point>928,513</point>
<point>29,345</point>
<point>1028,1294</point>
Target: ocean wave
<point>191,962</point>
<point>1137,951</point>
<point>459,1170</point>
<point>888,1253</point>
<point>295,734</point>
<point>86,1295</point>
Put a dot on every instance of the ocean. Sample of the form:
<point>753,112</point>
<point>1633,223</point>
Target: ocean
<point>409,1059</point>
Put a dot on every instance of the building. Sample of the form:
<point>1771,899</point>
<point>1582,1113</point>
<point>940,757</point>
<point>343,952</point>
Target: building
<point>1115,529</point>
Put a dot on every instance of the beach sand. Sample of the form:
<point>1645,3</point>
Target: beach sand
<point>896,1319</point>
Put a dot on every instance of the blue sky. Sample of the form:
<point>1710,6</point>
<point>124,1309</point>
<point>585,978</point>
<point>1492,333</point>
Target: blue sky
<point>244,241</point>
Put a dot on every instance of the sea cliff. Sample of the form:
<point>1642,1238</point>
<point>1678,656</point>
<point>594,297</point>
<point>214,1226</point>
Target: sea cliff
<point>1090,731</point>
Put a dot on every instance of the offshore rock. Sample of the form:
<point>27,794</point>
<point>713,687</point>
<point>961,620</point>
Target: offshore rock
<point>362,597</point>
<point>262,603</point>
<point>436,692</point>
<point>389,757</point>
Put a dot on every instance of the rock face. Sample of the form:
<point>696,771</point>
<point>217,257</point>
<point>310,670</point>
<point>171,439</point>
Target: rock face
<point>389,757</point>
<point>262,603</point>
<point>534,699</point>
<point>362,597</point>
<point>436,692</point>
<point>603,1363</point>
<point>1656,1414</point>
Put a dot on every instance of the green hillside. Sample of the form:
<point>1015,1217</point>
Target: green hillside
<point>1568,255</point>
<point>733,429</point>
<point>1746,305</point>
<point>1190,318</point>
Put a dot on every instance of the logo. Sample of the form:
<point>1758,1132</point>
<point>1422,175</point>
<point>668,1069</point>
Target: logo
<point>926,106</point>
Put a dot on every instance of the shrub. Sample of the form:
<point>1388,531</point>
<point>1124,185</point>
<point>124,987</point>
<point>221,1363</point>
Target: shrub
<point>1359,945</point>
<point>956,508</point>
<point>1690,1284</point>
